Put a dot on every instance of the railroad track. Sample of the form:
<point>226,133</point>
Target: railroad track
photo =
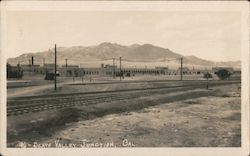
<point>22,105</point>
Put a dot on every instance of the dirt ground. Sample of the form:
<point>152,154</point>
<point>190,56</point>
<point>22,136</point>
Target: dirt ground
<point>209,121</point>
<point>36,85</point>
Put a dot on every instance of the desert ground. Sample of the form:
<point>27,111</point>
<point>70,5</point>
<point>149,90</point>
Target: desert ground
<point>131,113</point>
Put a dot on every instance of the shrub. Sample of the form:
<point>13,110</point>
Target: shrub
<point>223,74</point>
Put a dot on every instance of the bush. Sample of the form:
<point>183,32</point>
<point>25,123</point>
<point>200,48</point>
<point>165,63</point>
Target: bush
<point>207,75</point>
<point>223,74</point>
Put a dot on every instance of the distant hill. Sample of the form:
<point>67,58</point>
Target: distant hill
<point>106,51</point>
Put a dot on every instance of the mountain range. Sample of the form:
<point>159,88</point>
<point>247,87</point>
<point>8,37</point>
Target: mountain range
<point>146,53</point>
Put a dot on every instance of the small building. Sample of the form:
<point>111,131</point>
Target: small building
<point>185,70</point>
<point>30,69</point>
<point>49,65</point>
<point>70,66</point>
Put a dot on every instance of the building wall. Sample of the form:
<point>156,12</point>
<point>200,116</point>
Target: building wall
<point>75,71</point>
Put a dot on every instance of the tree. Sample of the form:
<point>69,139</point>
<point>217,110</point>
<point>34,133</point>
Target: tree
<point>223,74</point>
<point>207,75</point>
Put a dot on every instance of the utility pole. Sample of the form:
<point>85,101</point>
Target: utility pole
<point>66,63</point>
<point>120,68</point>
<point>207,76</point>
<point>30,69</point>
<point>32,65</point>
<point>18,65</point>
<point>55,69</point>
<point>114,68</point>
<point>32,60</point>
<point>181,67</point>
<point>43,61</point>
<point>44,69</point>
<point>135,70</point>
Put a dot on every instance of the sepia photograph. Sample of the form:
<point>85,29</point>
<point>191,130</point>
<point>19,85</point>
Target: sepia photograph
<point>125,76</point>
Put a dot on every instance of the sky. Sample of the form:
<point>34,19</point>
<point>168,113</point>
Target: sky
<point>212,36</point>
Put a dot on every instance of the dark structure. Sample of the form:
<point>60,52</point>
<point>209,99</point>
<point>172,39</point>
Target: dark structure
<point>14,72</point>
<point>223,74</point>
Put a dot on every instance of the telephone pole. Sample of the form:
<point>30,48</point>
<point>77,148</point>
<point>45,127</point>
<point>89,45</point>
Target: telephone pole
<point>66,63</point>
<point>120,68</point>
<point>181,67</point>
<point>32,60</point>
<point>18,65</point>
<point>55,69</point>
<point>114,68</point>
<point>43,61</point>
